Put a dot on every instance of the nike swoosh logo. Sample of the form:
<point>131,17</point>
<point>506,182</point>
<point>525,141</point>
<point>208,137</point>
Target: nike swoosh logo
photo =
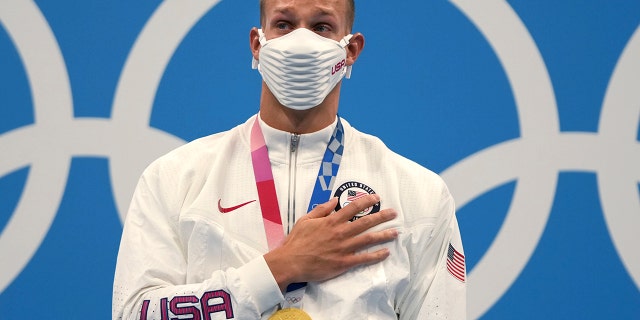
<point>229,209</point>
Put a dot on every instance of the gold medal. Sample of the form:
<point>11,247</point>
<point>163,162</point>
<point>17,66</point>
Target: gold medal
<point>290,314</point>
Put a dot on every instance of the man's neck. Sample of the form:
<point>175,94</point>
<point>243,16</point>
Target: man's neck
<point>282,118</point>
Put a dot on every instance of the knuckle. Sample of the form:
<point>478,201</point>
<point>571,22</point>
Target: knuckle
<point>364,202</point>
<point>329,205</point>
<point>344,264</point>
<point>341,234</point>
<point>371,238</point>
<point>370,220</point>
<point>358,206</point>
<point>365,240</point>
<point>364,222</point>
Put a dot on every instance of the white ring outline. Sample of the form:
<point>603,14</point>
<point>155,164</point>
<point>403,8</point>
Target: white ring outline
<point>619,122</point>
<point>498,164</point>
<point>52,139</point>
<point>549,152</point>
<point>54,122</point>
<point>51,92</point>
<point>137,86</point>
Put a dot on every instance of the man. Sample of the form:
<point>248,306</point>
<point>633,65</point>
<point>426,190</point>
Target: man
<point>293,214</point>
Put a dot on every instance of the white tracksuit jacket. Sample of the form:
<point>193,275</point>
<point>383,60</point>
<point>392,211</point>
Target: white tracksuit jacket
<point>182,258</point>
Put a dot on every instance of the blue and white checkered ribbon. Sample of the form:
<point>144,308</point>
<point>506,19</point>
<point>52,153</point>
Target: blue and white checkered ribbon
<point>329,168</point>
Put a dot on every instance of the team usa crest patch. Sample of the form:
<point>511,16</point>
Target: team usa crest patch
<point>351,191</point>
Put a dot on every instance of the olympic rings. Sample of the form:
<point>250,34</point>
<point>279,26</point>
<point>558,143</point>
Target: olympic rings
<point>612,152</point>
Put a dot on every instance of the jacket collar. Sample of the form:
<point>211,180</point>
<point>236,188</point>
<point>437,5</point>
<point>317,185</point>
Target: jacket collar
<point>310,147</point>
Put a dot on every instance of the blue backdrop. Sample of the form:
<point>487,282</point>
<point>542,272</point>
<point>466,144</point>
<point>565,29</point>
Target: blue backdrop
<point>530,110</point>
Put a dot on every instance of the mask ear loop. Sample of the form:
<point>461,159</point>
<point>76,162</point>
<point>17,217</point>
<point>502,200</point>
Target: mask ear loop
<point>261,37</point>
<point>344,43</point>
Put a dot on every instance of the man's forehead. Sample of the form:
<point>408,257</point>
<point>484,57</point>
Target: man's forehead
<point>321,6</point>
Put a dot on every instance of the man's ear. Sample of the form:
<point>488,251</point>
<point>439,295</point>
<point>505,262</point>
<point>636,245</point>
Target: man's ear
<point>356,44</point>
<point>254,42</point>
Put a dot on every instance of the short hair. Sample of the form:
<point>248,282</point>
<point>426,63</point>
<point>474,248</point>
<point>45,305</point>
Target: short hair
<point>351,13</point>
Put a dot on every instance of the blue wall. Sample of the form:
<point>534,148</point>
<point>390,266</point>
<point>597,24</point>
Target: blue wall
<point>529,109</point>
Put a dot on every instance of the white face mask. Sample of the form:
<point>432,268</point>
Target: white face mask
<point>302,67</point>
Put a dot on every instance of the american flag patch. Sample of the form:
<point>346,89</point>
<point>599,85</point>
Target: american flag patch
<point>353,195</point>
<point>455,263</point>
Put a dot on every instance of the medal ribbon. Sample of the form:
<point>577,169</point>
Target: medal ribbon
<point>267,189</point>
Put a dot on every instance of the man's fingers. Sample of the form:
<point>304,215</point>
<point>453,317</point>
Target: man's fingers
<point>349,211</point>
<point>366,240</point>
<point>327,244</point>
<point>323,210</point>
<point>367,258</point>
<point>367,222</point>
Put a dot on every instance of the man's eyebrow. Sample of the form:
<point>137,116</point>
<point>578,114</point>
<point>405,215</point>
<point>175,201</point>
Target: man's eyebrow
<point>323,14</point>
<point>283,8</point>
<point>325,11</point>
<point>320,12</point>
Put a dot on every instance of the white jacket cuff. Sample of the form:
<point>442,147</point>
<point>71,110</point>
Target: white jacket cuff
<point>262,286</point>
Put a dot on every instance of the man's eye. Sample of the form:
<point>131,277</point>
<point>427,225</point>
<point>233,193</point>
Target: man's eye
<point>321,28</point>
<point>282,26</point>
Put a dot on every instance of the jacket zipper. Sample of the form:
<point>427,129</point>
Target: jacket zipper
<point>293,159</point>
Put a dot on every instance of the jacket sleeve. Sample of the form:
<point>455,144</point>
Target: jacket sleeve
<point>151,269</point>
<point>437,289</point>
